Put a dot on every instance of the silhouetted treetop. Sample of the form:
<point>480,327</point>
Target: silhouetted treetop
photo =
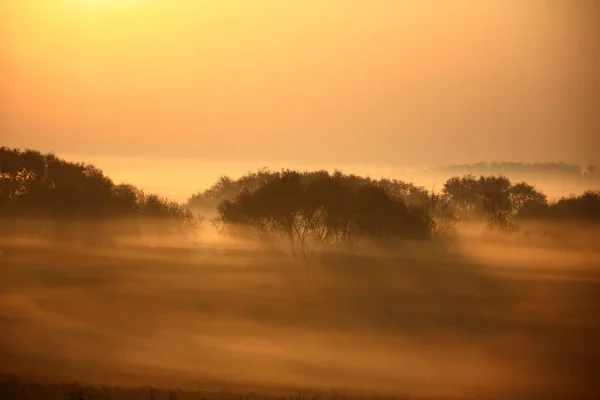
<point>227,188</point>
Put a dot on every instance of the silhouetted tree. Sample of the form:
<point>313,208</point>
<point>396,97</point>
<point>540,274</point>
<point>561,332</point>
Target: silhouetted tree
<point>592,170</point>
<point>492,198</point>
<point>465,193</point>
<point>75,198</point>
<point>411,194</point>
<point>583,208</point>
<point>324,209</point>
<point>443,215</point>
<point>228,188</point>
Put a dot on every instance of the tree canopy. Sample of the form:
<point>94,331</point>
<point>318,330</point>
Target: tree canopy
<point>325,209</point>
<point>36,185</point>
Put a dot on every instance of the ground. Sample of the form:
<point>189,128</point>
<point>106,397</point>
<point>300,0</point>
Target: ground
<point>493,318</point>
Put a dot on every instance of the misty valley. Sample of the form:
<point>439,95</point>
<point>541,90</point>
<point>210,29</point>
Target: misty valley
<point>299,284</point>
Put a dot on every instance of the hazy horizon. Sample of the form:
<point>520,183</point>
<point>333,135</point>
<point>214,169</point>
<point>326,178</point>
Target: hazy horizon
<point>180,178</point>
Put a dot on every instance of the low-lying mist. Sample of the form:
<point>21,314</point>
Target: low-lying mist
<point>480,315</point>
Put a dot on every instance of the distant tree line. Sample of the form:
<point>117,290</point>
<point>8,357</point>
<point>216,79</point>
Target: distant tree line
<point>45,187</point>
<point>550,169</point>
<point>306,209</point>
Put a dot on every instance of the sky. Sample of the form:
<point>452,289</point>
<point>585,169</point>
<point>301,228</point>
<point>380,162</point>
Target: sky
<point>226,83</point>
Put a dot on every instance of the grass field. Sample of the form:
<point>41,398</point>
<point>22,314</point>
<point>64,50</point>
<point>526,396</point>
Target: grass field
<point>481,318</point>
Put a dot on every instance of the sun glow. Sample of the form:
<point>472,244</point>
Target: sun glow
<point>95,5</point>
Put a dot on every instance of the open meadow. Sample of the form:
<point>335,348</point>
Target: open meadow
<point>481,317</point>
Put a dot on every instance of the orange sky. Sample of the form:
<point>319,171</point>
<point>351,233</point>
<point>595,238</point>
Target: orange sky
<point>312,81</point>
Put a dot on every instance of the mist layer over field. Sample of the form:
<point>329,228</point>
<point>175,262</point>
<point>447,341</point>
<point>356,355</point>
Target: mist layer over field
<point>483,315</point>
